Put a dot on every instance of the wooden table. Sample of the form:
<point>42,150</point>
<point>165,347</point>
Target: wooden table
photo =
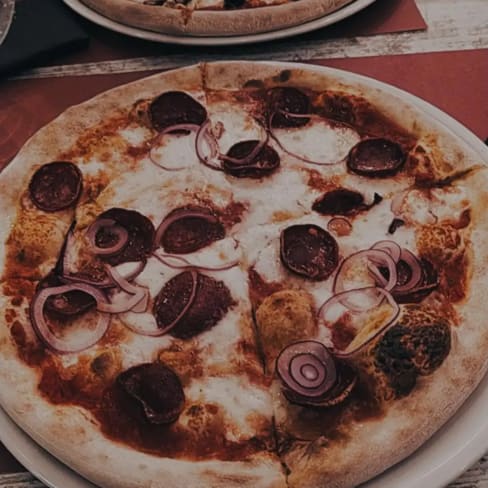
<point>454,27</point>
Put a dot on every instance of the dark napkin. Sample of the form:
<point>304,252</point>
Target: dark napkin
<point>40,30</point>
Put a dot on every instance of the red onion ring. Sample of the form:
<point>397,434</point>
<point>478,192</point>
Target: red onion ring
<point>125,304</point>
<point>307,368</point>
<point>183,263</point>
<point>287,151</point>
<point>415,267</point>
<point>391,247</point>
<point>121,281</point>
<point>55,343</point>
<point>251,156</point>
<point>345,298</point>
<point>376,256</point>
<point>114,228</point>
<point>181,214</point>
<point>204,136</point>
<point>165,132</point>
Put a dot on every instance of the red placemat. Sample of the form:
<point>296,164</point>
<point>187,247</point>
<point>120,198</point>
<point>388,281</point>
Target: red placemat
<point>383,16</point>
<point>461,90</point>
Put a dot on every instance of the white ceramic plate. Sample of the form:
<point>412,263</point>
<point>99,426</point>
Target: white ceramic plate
<point>332,18</point>
<point>455,447</point>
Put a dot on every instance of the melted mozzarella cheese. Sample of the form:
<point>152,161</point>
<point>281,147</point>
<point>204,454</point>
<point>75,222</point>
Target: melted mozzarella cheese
<point>318,141</point>
<point>232,123</point>
<point>239,400</point>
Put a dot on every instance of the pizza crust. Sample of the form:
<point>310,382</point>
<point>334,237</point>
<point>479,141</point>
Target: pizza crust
<point>408,422</point>
<point>203,23</point>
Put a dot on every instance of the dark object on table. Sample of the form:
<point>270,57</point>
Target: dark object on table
<point>40,30</point>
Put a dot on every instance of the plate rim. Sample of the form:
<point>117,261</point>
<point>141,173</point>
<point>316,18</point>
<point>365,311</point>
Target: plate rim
<point>324,21</point>
<point>461,455</point>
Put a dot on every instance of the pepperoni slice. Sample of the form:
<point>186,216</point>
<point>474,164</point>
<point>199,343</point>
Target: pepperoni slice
<point>65,305</point>
<point>140,239</point>
<point>156,389</point>
<point>376,158</point>
<point>284,100</point>
<point>175,107</point>
<point>56,186</point>
<point>339,202</point>
<point>309,251</point>
<point>211,301</point>
<point>187,231</point>
<point>265,162</point>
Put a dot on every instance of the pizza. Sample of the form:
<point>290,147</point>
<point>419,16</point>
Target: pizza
<point>242,274</point>
<point>214,17</point>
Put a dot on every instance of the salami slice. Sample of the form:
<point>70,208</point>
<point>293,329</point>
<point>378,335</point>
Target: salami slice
<point>241,163</point>
<point>156,390</point>
<point>283,102</point>
<point>376,158</point>
<point>339,202</point>
<point>188,229</point>
<point>210,303</point>
<point>140,239</point>
<point>309,251</point>
<point>175,107</point>
<point>56,186</point>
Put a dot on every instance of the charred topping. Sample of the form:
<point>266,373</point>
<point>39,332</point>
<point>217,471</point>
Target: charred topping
<point>448,180</point>
<point>395,224</point>
<point>403,353</point>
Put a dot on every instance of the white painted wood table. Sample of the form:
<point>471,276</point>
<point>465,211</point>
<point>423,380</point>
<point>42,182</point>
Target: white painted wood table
<point>453,25</point>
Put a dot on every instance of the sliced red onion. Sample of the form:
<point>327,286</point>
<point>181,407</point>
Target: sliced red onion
<point>170,130</point>
<point>131,269</point>
<point>113,228</point>
<point>416,272</point>
<point>79,278</point>
<point>204,136</point>
<point>182,214</point>
<point>374,256</point>
<point>391,247</point>
<point>363,300</point>
<point>272,133</point>
<point>178,262</point>
<point>307,368</point>
<point>125,303</point>
<point>122,282</point>
<point>57,344</point>
<point>252,155</point>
